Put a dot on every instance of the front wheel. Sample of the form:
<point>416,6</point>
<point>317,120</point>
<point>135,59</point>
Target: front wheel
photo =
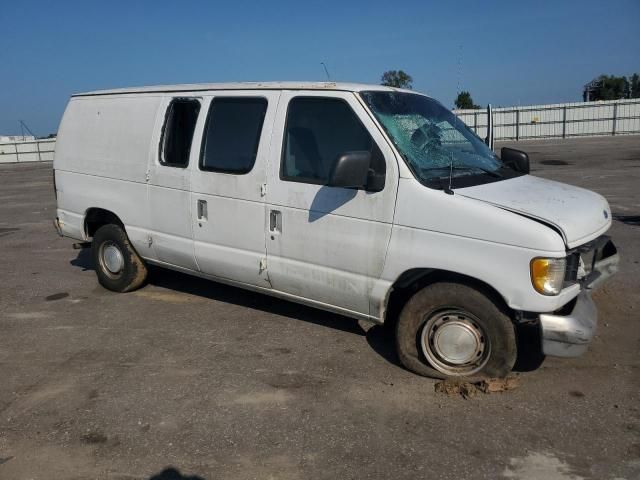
<point>453,330</point>
<point>118,266</point>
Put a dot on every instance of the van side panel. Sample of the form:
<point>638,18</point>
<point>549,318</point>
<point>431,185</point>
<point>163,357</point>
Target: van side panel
<point>433,230</point>
<point>232,243</point>
<point>107,136</point>
<point>101,161</point>
<point>330,243</point>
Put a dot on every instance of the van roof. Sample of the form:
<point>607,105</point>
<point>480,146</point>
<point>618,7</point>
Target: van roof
<point>196,87</point>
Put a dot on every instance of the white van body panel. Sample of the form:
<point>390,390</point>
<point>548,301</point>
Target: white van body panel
<point>581,215</point>
<point>101,162</point>
<point>433,230</point>
<point>193,88</point>
<point>114,132</point>
<point>169,198</point>
<point>333,240</point>
<point>230,243</point>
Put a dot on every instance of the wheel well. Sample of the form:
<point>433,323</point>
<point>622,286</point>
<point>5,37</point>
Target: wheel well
<point>96,218</point>
<point>416,279</point>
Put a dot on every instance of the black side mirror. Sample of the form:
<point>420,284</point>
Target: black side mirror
<point>350,170</point>
<point>516,159</point>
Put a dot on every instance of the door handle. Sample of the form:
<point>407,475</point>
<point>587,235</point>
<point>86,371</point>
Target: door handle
<point>202,210</point>
<point>275,221</point>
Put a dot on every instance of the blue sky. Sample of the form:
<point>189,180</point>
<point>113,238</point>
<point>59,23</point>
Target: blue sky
<point>512,52</point>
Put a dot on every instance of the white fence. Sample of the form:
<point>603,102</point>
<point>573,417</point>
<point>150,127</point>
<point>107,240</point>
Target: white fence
<point>562,120</point>
<point>27,151</point>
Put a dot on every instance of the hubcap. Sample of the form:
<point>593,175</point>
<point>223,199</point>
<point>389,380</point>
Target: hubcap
<point>111,259</point>
<point>454,343</point>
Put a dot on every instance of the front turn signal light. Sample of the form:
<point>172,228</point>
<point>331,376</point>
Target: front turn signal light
<point>547,275</point>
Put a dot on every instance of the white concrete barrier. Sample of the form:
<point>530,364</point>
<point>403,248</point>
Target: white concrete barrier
<point>28,151</point>
<point>561,120</point>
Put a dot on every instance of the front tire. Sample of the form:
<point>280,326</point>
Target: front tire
<point>453,330</point>
<point>118,266</point>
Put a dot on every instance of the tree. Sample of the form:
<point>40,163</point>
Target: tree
<point>608,87</point>
<point>464,101</point>
<point>635,86</point>
<point>396,78</point>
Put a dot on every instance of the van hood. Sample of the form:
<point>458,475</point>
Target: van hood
<point>579,215</point>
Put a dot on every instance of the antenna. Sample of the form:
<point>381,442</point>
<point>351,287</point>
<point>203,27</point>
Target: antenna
<point>459,75</point>
<point>326,71</point>
<point>459,72</point>
<point>448,190</point>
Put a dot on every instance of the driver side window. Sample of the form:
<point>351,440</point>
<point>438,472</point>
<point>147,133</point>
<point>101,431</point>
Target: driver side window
<point>317,132</point>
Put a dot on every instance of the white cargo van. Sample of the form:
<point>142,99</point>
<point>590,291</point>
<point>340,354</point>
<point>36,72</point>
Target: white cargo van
<point>373,202</point>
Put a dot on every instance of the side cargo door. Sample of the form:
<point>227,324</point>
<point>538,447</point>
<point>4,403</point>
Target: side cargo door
<point>327,244</point>
<point>169,181</point>
<point>228,186</point>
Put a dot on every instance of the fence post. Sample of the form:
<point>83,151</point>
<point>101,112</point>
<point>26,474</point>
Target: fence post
<point>564,122</point>
<point>15,145</point>
<point>615,118</point>
<point>38,148</point>
<point>475,122</point>
<point>517,124</point>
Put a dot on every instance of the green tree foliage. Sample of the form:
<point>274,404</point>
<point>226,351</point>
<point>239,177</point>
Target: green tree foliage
<point>634,86</point>
<point>610,87</point>
<point>464,101</point>
<point>396,78</point>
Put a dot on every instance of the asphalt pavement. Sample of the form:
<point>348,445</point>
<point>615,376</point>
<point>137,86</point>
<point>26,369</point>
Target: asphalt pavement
<point>187,378</point>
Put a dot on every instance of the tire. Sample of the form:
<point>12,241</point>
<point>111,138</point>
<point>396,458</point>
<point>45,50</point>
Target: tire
<point>118,266</point>
<point>478,339</point>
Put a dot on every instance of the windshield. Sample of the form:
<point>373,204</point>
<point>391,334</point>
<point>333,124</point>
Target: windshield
<point>434,142</point>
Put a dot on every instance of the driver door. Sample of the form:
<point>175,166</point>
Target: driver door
<point>326,244</point>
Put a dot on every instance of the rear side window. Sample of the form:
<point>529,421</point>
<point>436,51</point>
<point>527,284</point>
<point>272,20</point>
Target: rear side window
<point>232,134</point>
<point>180,122</point>
<point>318,131</point>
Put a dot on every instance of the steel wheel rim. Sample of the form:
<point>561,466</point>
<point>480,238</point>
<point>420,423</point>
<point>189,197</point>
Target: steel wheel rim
<point>454,342</point>
<point>111,259</point>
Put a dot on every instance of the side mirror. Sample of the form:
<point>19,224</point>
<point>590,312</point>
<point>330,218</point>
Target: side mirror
<point>350,170</point>
<point>515,159</point>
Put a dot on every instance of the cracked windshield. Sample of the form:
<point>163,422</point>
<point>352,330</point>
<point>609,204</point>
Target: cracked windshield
<point>431,138</point>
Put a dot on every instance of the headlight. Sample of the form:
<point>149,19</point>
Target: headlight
<point>547,275</point>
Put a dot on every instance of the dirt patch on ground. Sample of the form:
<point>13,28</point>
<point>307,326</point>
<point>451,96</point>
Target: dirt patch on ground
<point>454,387</point>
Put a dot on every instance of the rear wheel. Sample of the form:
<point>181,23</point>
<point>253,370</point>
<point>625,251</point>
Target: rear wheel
<point>453,330</point>
<point>118,266</point>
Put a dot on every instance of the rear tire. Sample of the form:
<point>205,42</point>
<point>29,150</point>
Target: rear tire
<point>453,330</point>
<point>118,266</point>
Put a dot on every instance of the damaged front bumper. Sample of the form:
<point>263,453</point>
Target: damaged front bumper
<point>568,334</point>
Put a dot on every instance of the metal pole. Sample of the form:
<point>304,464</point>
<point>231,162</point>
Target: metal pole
<point>475,122</point>
<point>615,118</point>
<point>326,71</point>
<point>489,138</point>
<point>564,122</point>
<point>15,145</point>
<point>38,148</point>
<point>517,124</point>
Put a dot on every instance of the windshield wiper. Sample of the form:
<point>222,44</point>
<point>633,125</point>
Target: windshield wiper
<point>465,167</point>
<point>475,167</point>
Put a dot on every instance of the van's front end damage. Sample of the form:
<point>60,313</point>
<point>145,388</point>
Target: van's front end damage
<point>581,218</point>
<point>569,331</point>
